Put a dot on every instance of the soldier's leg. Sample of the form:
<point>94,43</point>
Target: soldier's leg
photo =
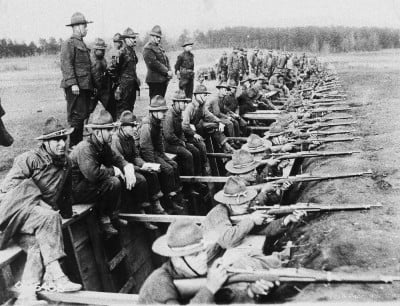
<point>183,157</point>
<point>229,131</point>
<point>128,98</point>
<point>205,167</point>
<point>197,162</point>
<point>139,193</point>
<point>167,176</point>
<point>77,112</point>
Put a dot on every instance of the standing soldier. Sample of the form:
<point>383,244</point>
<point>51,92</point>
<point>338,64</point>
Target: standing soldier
<point>113,56</point>
<point>158,70</point>
<point>128,81</point>
<point>101,77</point>
<point>254,61</point>
<point>243,64</point>
<point>184,69</point>
<point>233,65</point>
<point>77,76</point>
<point>223,68</point>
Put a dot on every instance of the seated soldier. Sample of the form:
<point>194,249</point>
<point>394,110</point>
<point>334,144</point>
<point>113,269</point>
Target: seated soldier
<point>188,156</point>
<point>147,190</point>
<point>215,105</point>
<point>39,184</point>
<point>97,172</point>
<point>152,150</point>
<point>244,165</point>
<point>198,122</point>
<point>245,97</point>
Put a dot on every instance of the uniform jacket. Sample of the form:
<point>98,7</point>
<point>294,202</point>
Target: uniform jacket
<point>233,63</point>
<point>102,81</point>
<point>185,64</point>
<point>93,161</point>
<point>76,64</point>
<point>193,114</point>
<point>33,178</point>
<point>151,139</point>
<point>243,64</point>
<point>126,146</point>
<point>127,67</point>
<point>172,128</point>
<point>222,64</point>
<point>157,63</point>
<point>215,106</point>
<point>245,103</point>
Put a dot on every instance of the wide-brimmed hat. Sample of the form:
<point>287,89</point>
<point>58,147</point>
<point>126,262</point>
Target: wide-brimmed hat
<point>275,130</point>
<point>183,238</point>
<point>99,44</point>
<point>156,31</point>
<point>256,144</point>
<point>235,192</point>
<point>78,18</point>
<point>54,129</point>
<point>232,83</point>
<point>180,96</point>
<point>101,120</point>
<point>222,85</point>
<point>117,37</point>
<point>249,78</point>
<point>127,119</point>
<point>158,103</point>
<point>187,43</point>
<point>242,162</point>
<point>201,89</point>
<point>129,33</point>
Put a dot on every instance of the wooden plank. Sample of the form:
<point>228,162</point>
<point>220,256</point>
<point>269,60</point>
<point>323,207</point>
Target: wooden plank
<point>90,298</point>
<point>81,211</point>
<point>117,259</point>
<point>128,285</point>
<point>268,117</point>
<point>203,179</point>
<point>9,254</point>
<point>90,276</point>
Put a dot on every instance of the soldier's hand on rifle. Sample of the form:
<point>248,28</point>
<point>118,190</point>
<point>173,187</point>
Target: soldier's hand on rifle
<point>130,178</point>
<point>294,217</point>
<point>257,217</point>
<point>261,287</point>
<point>221,127</point>
<point>198,138</point>
<point>75,89</point>
<point>216,276</point>
<point>269,187</point>
<point>286,185</point>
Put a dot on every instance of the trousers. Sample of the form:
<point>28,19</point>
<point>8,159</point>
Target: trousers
<point>169,175</point>
<point>157,89</point>
<point>188,158</point>
<point>128,98</point>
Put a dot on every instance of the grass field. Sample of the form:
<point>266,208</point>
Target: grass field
<point>356,241</point>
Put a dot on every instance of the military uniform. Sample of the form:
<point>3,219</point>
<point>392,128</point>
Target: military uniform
<point>102,82</point>
<point>158,66</point>
<point>234,67</point>
<point>215,106</point>
<point>185,66</point>
<point>76,69</point>
<point>223,69</point>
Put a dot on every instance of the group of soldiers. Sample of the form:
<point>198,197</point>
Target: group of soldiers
<point>124,164</point>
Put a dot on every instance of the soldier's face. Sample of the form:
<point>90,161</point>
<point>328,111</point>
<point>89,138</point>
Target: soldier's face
<point>250,177</point>
<point>201,98</point>
<point>128,130</point>
<point>156,39</point>
<point>188,48</point>
<point>83,29</point>
<point>131,42</point>
<point>56,147</point>
<point>223,91</point>
<point>239,209</point>
<point>180,105</point>
<point>158,115</point>
<point>99,53</point>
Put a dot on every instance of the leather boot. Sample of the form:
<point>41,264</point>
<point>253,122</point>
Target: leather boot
<point>156,208</point>
<point>148,225</point>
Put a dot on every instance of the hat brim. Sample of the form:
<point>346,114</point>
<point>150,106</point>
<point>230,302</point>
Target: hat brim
<point>221,198</point>
<point>202,93</point>
<point>160,246</point>
<point>188,44</point>
<point>57,134</point>
<point>267,145</point>
<point>100,48</point>
<point>222,86</point>
<point>73,24</point>
<point>231,169</point>
<point>162,108</point>
<point>155,34</point>
<point>101,126</point>
<point>269,134</point>
<point>181,100</point>
<point>135,35</point>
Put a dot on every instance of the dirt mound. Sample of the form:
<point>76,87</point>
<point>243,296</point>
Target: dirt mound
<point>359,241</point>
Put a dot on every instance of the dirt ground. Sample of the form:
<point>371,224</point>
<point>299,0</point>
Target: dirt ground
<point>347,241</point>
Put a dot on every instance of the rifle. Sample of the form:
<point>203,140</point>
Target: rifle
<point>323,119</point>
<point>330,110</point>
<point>321,140</point>
<point>306,177</point>
<point>189,287</point>
<point>313,133</point>
<point>301,154</point>
<point>327,124</point>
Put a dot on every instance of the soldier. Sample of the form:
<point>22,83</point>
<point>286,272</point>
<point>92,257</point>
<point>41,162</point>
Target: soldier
<point>188,156</point>
<point>254,62</point>
<point>184,69</point>
<point>101,77</point>
<point>243,64</point>
<point>128,81</point>
<point>158,69</point>
<point>77,76</point>
<point>234,65</point>
<point>6,139</point>
<point>222,69</point>
<point>198,123</point>
<point>152,149</point>
<point>39,184</point>
<point>97,170</point>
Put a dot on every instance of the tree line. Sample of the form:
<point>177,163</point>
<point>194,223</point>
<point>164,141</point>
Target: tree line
<point>312,39</point>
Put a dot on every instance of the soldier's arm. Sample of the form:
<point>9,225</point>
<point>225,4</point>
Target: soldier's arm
<point>67,64</point>
<point>146,146</point>
<point>186,120</point>
<point>169,132</point>
<point>151,60</point>
<point>22,169</point>
<point>178,63</point>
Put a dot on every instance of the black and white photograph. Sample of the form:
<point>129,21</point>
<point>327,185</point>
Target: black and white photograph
<point>199,152</point>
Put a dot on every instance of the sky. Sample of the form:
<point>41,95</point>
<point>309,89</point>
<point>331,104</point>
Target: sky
<point>27,20</point>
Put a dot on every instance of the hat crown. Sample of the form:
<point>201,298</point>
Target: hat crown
<point>117,37</point>
<point>52,125</point>
<point>156,30</point>
<point>101,118</point>
<point>99,42</point>
<point>158,102</point>
<point>232,83</point>
<point>242,158</point>
<point>254,141</point>
<point>234,185</point>
<point>127,118</point>
<point>129,32</point>
<point>179,95</point>
<point>200,89</point>
<point>276,128</point>
<point>183,233</point>
<point>78,18</point>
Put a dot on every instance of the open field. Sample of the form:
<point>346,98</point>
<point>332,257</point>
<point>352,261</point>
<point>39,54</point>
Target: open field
<point>351,241</point>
